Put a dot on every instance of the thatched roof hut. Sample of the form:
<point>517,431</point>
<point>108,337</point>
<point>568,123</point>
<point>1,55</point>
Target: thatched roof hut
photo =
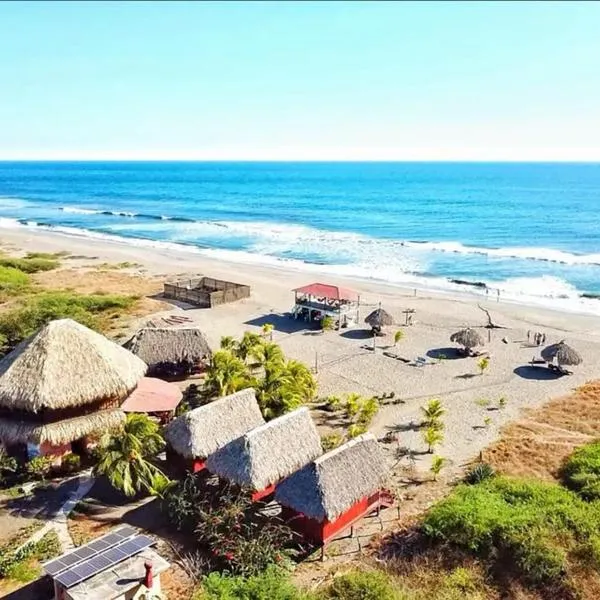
<point>469,338</point>
<point>327,487</point>
<point>66,365</point>
<point>379,318</point>
<point>562,353</point>
<point>270,452</point>
<point>170,348</point>
<point>204,430</point>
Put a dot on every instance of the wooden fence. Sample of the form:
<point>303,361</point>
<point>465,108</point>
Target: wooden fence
<point>205,291</point>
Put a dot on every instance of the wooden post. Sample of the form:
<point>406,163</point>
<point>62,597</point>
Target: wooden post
<point>323,553</point>
<point>415,292</point>
<point>352,531</point>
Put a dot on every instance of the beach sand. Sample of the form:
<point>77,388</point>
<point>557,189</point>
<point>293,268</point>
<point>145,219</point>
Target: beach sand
<point>343,366</point>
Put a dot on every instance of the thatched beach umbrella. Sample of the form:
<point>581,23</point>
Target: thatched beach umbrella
<point>170,349</point>
<point>468,338</point>
<point>562,353</point>
<point>200,432</point>
<point>379,318</point>
<point>267,454</point>
<point>70,374</point>
<point>331,484</point>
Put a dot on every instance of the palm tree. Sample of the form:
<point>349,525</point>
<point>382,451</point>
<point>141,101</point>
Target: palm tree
<point>437,462</point>
<point>398,336</point>
<point>228,343</point>
<point>226,374</point>
<point>303,378</point>
<point>267,353</point>
<point>277,392</point>
<point>433,412</point>
<point>483,363</point>
<point>432,437</point>
<point>267,330</point>
<point>123,457</point>
<point>247,345</point>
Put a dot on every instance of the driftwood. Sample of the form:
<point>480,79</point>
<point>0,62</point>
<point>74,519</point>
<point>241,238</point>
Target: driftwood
<point>490,323</point>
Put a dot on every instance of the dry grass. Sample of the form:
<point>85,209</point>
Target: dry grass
<point>537,445</point>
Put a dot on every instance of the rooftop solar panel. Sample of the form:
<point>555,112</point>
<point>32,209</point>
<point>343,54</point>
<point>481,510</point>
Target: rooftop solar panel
<point>83,553</point>
<point>113,556</point>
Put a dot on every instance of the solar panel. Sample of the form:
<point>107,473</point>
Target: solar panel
<point>103,561</point>
<point>60,564</point>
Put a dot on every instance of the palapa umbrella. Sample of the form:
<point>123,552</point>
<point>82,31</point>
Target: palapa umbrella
<point>562,353</point>
<point>379,318</point>
<point>469,338</point>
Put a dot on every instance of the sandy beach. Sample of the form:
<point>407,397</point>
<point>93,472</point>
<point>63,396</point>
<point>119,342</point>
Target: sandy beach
<point>474,415</point>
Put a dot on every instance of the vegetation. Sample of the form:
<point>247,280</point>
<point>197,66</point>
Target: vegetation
<point>124,457</point>
<point>480,472</point>
<point>433,413</point>
<point>482,364</point>
<point>281,384</point>
<point>502,402</point>
<point>398,336</point>
<point>32,263</point>
<point>39,466</point>
<point>541,529</point>
<point>432,436</point>
<point>8,465</point>
<point>267,330</point>
<point>12,282</point>
<point>361,585</point>
<point>437,464</point>
<point>232,530</point>
<point>35,311</point>
<point>482,402</point>
<point>331,441</point>
<point>581,471</point>
<point>327,323</point>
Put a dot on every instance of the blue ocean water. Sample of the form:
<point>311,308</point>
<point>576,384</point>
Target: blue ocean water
<point>530,230</point>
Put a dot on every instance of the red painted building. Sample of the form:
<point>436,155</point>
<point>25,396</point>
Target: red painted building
<point>336,490</point>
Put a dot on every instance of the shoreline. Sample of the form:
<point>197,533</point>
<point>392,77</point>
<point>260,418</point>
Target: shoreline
<point>472,292</point>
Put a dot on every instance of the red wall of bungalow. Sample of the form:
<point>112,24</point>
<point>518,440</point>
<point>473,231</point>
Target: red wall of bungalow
<point>322,532</point>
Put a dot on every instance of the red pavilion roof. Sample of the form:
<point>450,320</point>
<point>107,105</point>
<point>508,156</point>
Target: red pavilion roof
<point>152,395</point>
<point>331,292</point>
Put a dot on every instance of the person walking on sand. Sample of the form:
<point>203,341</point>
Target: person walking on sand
<point>528,336</point>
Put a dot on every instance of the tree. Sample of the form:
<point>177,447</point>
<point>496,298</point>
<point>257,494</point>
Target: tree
<point>226,374</point>
<point>124,457</point>
<point>327,323</point>
<point>432,437</point>
<point>483,363</point>
<point>437,463</point>
<point>433,412</point>
<point>398,336</point>
<point>246,347</point>
<point>228,343</point>
<point>267,330</point>
<point>267,353</point>
<point>8,464</point>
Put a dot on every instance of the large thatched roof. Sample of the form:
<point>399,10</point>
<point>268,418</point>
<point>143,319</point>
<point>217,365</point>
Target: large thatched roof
<point>563,353</point>
<point>332,483</point>
<point>13,431</point>
<point>379,318</point>
<point>66,364</point>
<point>169,346</point>
<point>202,431</point>
<point>469,338</point>
<point>270,452</point>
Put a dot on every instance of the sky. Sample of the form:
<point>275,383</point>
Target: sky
<point>300,80</point>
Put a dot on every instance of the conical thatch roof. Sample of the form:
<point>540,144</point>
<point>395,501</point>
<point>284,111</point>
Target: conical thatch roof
<point>331,484</point>
<point>469,338</point>
<point>202,431</point>
<point>66,364</point>
<point>179,346</point>
<point>379,318</point>
<point>563,353</point>
<point>13,431</point>
<point>270,452</point>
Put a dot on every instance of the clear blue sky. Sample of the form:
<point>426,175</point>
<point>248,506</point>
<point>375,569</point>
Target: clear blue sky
<point>268,80</point>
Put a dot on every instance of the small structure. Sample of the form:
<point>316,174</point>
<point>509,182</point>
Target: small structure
<point>561,355</point>
<point>170,350</point>
<point>200,432</point>
<point>118,566</point>
<point>154,397</point>
<point>60,385</point>
<point>334,491</point>
<point>265,455</point>
<point>379,319</point>
<point>317,300</point>
<point>468,338</point>
<point>205,291</point>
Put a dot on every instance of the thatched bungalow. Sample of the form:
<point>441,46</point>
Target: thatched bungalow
<point>334,491</point>
<point>201,432</point>
<point>170,350</point>
<point>61,385</point>
<point>265,455</point>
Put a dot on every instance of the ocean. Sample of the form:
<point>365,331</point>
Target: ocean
<point>528,232</point>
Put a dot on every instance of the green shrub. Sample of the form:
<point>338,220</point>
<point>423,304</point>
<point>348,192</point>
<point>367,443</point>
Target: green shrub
<point>480,472</point>
<point>331,441</point>
<point>29,265</point>
<point>361,585</point>
<point>12,281</point>
<point>70,463</point>
<point>538,526</point>
<point>581,471</point>
<point>39,466</point>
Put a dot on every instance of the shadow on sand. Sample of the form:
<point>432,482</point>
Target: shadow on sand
<point>283,323</point>
<point>445,353</point>
<point>357,334</point>
<point>538,373</point>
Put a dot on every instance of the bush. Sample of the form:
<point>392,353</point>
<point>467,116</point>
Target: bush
<point>480,472</point>
<point>331,441</point>
<point>19,564</point>
<point>12,281</point>
<point>539,527</point>
<point>70,463</point>
<point>361,585</point>
<point>39,466</point>
<point>581,471</point>
<point>30,264</point>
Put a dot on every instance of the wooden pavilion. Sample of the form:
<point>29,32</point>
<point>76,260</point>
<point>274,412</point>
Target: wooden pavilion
<point>335,490</point>
<point>314,301</point>
<point>197,434</point>
<point>62,385</point>
<point>265,455</point>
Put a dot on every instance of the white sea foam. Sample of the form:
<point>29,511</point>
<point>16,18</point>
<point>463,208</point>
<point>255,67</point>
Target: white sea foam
<point>80,211</point>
